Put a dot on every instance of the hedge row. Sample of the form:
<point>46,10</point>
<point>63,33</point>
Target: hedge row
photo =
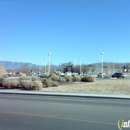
<point>75,78</point>
<point>33,83</point>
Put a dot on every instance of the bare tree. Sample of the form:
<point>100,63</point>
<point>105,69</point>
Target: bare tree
<point>127,67</point>
<point>93,69</point>
<point>2,70</point>
<point>85,68</point>
<point>119,67</point>
<point>25,69</point>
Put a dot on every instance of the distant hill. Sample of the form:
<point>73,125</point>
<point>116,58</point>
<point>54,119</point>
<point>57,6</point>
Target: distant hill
<point>9,65</point>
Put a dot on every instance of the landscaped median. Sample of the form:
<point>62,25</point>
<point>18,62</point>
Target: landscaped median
<point>76,84</point>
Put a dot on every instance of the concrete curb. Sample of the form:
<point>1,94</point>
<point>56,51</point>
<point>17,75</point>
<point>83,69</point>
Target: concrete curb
<point>83,95</point>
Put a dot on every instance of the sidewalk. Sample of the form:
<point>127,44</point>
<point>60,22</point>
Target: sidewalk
<point>84,95</point>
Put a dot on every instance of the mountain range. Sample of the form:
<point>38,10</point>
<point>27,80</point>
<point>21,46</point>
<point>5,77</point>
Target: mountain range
<point>9,65</point>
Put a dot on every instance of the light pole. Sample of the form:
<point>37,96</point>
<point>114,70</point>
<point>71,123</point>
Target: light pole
<point>45,65</point>
<point>109,69</point>
<point>102,53</point>
<point>49,63</point>
<point>80,64</point>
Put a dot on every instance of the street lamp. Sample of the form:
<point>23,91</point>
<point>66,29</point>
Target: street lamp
<point>49,63</point>
<point>45,65</point>
<point>102,53</point>
<point>80,64</point>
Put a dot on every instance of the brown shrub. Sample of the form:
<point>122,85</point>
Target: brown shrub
<point>6,83</point>
<point>26,84</point>
<point>11,83</point>
<point>48,83</point>
<point>88,78</point>
<point>68,78</point>
<point>76,78</point>
<point>15,84</point>
<point>36,85</point>
<point>1,80</point>
<point>5,76</point>
<point>31,85</point>
<point>55,77</point>
<point>55,84</point>
<point>34,78</point>
<point>25,78</point>
<point>62,80</point>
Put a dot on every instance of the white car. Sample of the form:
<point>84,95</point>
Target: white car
<point>68,73</point>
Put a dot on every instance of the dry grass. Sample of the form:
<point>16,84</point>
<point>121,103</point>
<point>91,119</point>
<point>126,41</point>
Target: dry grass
<point>119,86</point>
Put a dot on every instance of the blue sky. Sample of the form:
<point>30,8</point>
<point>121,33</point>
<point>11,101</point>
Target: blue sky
<point>69,29</point>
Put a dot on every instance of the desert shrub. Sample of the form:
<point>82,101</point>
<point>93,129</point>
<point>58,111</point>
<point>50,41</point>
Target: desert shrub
<point>55,84</point>
<point>34,78</point>
<point>36,85</point>
<point>5,76</point>
<point>6,83</point>
<point>1,80</point>
<point>55,77</point>
<point>48,82</point>
<point>31,85</point>
<point>25,78</point>
<point>88,78</point>
<point>15,84</point>
<point>26,84</point>
<point>68,78</point>
<point>76,78</point>
<point>62,80</point>
<point>9,83</point>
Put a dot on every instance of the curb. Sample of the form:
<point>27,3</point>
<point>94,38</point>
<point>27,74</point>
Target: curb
<point>102,96</point>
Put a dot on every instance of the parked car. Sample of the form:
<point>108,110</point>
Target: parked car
<point>68,73</point>
<point>118,75</point>
<point>100,75</point>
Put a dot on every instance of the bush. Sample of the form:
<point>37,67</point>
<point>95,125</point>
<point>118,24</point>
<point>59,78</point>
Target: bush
<point>26,84</point>
<point>36,85</point>
<point>34,78</point>
<point>55,77</point>
<point>9,83</point>
<point>88,78</point>
<point>25,78</point>
<point>62,80</point>
<point>68,78</point>
<point>55,84</point>
<point>76,78</point>
<point>15,84</point>
<point>1,80</point>
<point>48,83</point>
<point>5,76</point>
<point>31,85</point>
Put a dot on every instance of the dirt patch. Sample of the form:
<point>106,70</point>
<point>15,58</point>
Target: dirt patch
<point>119,86</point>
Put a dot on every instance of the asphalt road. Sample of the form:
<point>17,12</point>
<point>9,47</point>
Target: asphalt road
<point>26,112</point>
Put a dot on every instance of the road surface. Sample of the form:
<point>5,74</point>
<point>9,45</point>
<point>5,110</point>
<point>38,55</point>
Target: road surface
<point>26,112</point>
